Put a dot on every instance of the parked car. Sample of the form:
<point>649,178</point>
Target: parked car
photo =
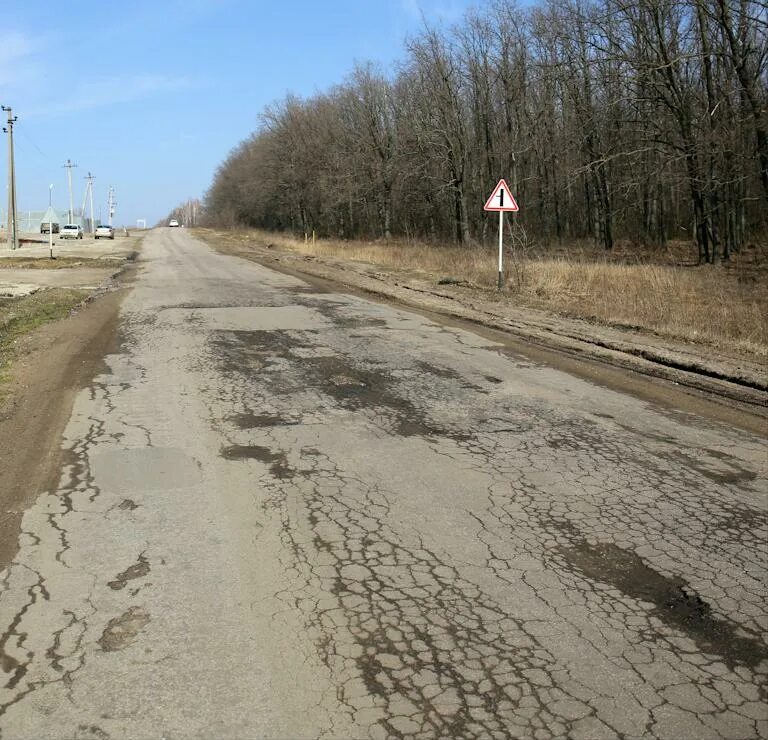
<point>173,222</point>
<point>105,231</point>
<point>45,227</point>
<point>72,231</point>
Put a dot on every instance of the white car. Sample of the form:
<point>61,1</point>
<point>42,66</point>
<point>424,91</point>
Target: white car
<point>104,231</point>
<point>173,222</point>
<point>71,231</point>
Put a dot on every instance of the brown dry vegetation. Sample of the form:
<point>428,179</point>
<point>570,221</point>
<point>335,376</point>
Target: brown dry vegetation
<point>58,263</point>
<point>718,305</point>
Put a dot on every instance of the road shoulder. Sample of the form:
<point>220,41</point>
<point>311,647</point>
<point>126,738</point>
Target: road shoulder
<point>52,363</point>
<point>731,381</point>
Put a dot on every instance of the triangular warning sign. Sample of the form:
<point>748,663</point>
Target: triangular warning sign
<point>501,199</point>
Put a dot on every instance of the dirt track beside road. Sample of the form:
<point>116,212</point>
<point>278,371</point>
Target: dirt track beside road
<point>50,365</point>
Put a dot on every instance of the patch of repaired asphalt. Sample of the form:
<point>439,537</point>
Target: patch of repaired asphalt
<point>121,631</point>
<point>250,420</point>
<point>138,570</point>
<point>352,386</point>
<point>143,469</point>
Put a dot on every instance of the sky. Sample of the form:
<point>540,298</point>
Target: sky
<point>150,95</point>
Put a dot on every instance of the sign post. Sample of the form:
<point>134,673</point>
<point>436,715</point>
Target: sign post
<point>50,223</point>
<point>501,200</point>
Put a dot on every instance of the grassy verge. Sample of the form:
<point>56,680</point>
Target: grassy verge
<point>19,316</point>
<point>719,306</point>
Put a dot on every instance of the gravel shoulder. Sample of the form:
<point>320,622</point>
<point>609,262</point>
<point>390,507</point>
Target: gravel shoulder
<point>698,369</point>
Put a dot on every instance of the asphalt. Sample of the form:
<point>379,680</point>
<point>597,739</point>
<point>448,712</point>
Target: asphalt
<point>288,512</point>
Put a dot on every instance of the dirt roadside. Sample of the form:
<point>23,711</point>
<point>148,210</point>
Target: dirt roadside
<point>52,364</point>
<point>733,390</point>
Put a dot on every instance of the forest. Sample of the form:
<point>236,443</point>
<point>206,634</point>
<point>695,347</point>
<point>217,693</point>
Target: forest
<point>633,121</point>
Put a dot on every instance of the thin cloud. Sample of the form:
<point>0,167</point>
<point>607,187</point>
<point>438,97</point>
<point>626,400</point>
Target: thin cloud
<point>110,91</point>
<point>16,52</point>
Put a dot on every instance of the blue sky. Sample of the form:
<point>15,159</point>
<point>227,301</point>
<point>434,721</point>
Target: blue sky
<point>150,96</point>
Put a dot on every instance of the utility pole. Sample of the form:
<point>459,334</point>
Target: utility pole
<point>69,165</point>
<point>89,191</point>
<point>13,241</point>
<point>111,203</point>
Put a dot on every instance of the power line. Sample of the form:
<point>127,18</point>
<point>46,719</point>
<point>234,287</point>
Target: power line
<point>29,139</point>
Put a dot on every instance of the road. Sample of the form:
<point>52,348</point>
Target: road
<point>291,512</point>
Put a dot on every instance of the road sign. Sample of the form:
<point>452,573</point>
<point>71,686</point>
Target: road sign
<point>501,199</point>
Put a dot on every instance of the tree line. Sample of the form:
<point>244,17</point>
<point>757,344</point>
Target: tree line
<point>642,120</point>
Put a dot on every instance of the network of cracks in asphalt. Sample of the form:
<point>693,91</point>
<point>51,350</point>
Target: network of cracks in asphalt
<point>24,589</point>
<point>416,647</point>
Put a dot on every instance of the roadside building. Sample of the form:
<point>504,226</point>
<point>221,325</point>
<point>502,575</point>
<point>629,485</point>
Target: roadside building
<point>29,221</point>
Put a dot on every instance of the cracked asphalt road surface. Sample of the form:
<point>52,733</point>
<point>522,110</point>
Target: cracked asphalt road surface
<point>294,513</point>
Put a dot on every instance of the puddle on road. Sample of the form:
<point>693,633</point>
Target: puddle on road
<point>675,603</point>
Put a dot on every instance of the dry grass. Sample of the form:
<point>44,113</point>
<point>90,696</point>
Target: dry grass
<point>19,316</point>
<point>58,263</point>
<point>716,305</point>
<point>704,305</point>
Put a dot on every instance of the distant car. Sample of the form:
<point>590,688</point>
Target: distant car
<point>173,222</point>
<point>72,231</point>
<point>45,228</point>
<point>105,231</point>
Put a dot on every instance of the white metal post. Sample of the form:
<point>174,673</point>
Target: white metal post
<point>90,193</point>
<point>501,248</point>
<point>50,222</point>
<point>111,204</point>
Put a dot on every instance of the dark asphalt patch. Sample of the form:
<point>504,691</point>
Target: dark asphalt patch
<point>277,461</point>
<point>249,420</point>
<point>357,388</point>
<point>138,570</point>
<point>120,631</point>
<point>335,312</point>
<point>675,602</point>
<point>351,386</point>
